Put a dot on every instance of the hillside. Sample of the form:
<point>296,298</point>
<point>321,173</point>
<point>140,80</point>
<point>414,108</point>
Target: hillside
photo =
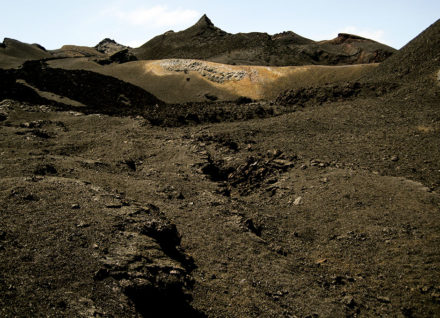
<point>205,41</point>
<point>419,60</point>
<point>13,53</point>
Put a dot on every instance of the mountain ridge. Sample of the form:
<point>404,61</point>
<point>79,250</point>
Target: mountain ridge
<point>205,41</point>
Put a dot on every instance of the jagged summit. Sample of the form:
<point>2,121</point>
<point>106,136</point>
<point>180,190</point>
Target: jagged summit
<point>203,27</point>
<point>106,41</point>
<point>204,21</point>
<point>109,46</point>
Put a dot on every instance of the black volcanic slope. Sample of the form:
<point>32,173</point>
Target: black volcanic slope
<point>416,60</point>
<point>99,93</point>
<point>207,42</point>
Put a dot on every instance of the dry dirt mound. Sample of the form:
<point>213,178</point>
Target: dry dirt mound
<point>206,42</point>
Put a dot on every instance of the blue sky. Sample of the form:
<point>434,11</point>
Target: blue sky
<point>53,23</point>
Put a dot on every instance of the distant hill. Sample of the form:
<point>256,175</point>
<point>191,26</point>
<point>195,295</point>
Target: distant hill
<point>13,53</point>
<point>109,46</point>
<point>67,51</point>
<point>205,41</point>
<point>105,52</point>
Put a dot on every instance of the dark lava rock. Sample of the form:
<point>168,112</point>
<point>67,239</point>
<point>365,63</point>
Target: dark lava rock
<point>251,174</point>
<point>45,169</point>
<point>100,93</point>
<point>123,56</point>
<point>348,301</point>
<point>109,46</point>
<point>119,57</point>
<point>333,93</point>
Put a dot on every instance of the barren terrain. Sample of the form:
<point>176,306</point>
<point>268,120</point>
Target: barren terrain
<point>320,200</point>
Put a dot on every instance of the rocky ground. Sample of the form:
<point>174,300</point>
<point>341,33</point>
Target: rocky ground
<point>211,72</point>
<point>332,210</point>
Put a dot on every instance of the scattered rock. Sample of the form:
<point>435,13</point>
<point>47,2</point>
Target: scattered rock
<point>279,250</point>
<point>298,201</point>
<point>114,205</point>
<point>180,196</point>
<point>436,297</point>
<point>318,163</point>
<point>251,174</point>
<point>131,164</point>
<point>425,289</point>
<point>82,224</point>
<point>275,153</point>
<point>34,124</point>
<point>210,97</point>
<point>394,158</point>
<point>211,72</point>
<point>383,299</point>
<point>101,274</point>
<point>45,169</point>
<point>348,300</point>
<point>75,206</point>
<point>254,228</point>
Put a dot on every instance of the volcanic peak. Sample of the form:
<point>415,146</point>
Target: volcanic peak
<point>204,21</point>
